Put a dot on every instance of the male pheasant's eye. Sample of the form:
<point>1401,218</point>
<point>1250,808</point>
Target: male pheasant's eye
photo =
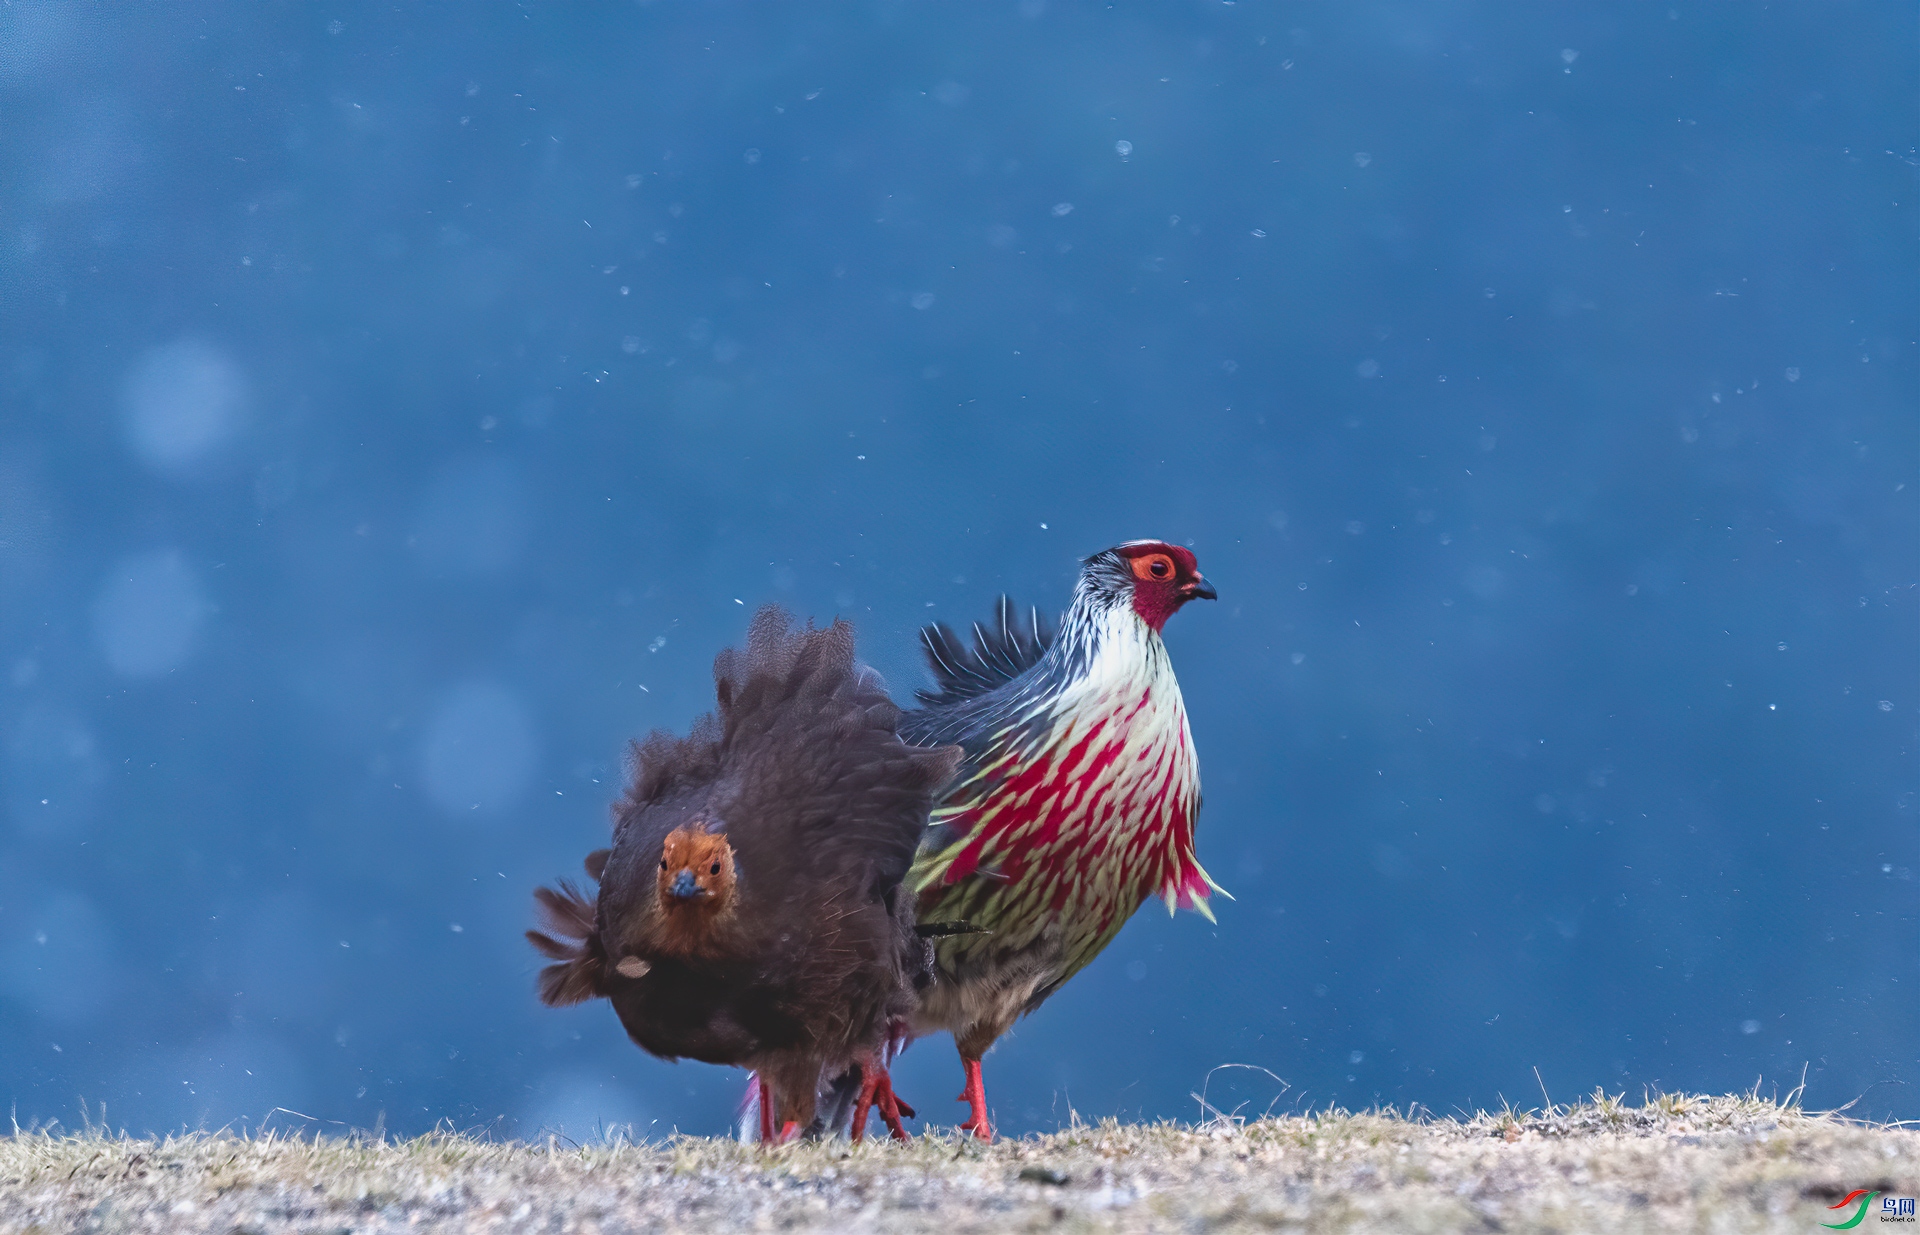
<point>1155,566</point>
<point>714,869</point>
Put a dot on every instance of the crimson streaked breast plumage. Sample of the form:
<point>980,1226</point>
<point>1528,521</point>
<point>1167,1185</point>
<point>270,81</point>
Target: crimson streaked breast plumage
<point>1083,809</point>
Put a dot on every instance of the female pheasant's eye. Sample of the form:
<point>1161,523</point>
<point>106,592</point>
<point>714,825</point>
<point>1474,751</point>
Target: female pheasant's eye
<point>1155,566</point>
<point>714,869</point>
<point>663,864</point>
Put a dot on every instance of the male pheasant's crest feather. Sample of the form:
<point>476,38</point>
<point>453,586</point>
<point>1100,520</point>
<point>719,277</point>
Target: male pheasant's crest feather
<point>1001,652</point>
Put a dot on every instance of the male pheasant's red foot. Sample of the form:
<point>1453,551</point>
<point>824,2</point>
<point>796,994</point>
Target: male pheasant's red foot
<point>876,1088</point>
<point>789,1131</point>
<point>975,1097</point>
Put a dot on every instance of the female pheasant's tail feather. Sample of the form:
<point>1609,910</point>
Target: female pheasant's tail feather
<point>570,915</point>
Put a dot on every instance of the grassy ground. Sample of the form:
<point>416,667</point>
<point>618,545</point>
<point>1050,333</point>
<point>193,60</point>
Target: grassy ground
<point>1675,1164</point>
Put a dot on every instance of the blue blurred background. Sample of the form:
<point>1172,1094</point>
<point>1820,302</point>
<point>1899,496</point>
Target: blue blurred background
<point>399,408</point>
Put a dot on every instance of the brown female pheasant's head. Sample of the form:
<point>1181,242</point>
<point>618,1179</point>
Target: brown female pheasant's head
<point>696,876</point>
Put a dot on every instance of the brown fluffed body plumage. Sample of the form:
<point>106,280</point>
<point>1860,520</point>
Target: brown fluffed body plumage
<point>801,955</point>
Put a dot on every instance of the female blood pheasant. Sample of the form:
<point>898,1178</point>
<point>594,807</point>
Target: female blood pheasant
<point>751,910</point>
<point>1074,801</point>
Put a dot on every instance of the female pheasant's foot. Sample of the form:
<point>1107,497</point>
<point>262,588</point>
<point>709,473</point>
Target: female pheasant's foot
<point>892,1108</point>
<point>863,1106</point>
<point>876,1089</point>
<point>766,1112</point>
<point>790,1131</point>
<point>975,1097</point>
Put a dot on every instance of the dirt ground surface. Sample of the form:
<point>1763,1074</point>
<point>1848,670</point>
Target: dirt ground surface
<point>1677,1163</point>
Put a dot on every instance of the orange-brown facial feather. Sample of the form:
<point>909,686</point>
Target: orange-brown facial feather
<point>696,871</point>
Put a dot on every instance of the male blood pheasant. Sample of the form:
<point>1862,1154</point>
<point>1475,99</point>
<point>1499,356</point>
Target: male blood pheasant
<point>1073,803</point>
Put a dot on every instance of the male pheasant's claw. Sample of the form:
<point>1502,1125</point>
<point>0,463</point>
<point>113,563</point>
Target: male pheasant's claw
<point>975,1096</point>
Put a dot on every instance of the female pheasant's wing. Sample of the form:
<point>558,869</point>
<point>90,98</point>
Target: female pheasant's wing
<point>818,778</point>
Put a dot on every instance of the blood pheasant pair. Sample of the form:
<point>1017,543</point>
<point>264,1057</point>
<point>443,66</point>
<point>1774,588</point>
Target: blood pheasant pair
<point>813,876</point>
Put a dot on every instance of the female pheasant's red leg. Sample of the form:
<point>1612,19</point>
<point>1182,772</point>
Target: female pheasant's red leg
<point>876,1089</point>
<point>976,1099</point>
<point>892,1108</point>
<point>871,1076</point>
<point>766,1113</point>
<point>789,1131</point>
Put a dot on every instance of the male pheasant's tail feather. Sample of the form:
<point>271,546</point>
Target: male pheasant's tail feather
<point>943,930</point>
<point>1002,650</point>
<point>578,977</point>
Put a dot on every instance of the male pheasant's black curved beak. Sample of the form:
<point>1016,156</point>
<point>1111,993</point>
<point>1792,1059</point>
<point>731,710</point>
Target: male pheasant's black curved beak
<point>1200,589</point>
<point>684,887</point>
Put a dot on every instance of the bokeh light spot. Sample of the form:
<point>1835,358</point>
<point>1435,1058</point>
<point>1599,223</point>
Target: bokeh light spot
<point>182,401</point>
<point>147,613</point>
<point>473,520</point>
<point>480,750</point>
<point>57,957</point>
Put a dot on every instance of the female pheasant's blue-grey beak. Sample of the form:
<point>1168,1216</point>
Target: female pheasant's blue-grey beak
<point>684,887</point>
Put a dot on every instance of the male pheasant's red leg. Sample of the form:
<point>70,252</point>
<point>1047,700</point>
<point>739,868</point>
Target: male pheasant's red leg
<point>766,1113</point>
<point>871,1075</point>
<point>975,1097</point>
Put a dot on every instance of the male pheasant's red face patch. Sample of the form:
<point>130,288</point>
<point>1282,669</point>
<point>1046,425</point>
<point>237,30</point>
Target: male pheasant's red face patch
<point>1164,578</point>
